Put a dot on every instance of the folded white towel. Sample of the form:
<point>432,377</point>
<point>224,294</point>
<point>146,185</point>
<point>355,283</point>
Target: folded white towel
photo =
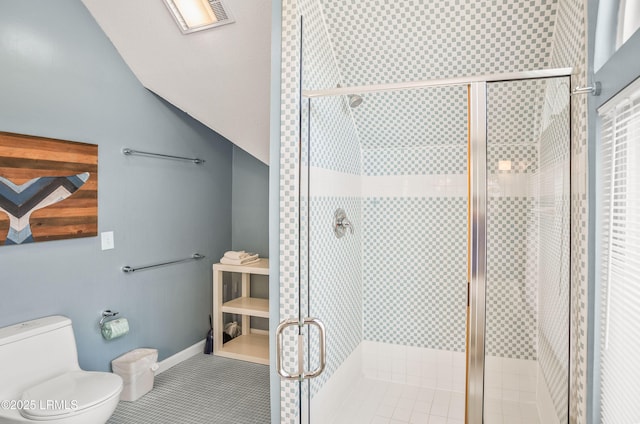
<point>227,261</point>
<point>244,261</point>
<point>232,254</point>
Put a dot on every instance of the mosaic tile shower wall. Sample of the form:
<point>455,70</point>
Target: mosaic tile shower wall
<point>435,116</point>
<point>439,160</point>
<point>380,42</point>
<point>333,131</point>
<point>414,271</point>
<point>414,246</point>
<point>512,304</point>
<point>414,132</point>
<point>516,112</point>
<point>333,126</point>
<point>335,291</point>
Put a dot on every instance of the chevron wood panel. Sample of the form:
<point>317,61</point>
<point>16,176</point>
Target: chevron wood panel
<point>48,189</point>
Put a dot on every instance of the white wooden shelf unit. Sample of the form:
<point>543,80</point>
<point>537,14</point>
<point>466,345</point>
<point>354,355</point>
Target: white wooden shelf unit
<point>252,345</point>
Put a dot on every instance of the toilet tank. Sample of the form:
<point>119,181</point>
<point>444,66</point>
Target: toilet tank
<point>34,351</point>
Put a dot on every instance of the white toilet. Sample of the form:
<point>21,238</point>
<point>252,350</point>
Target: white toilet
<point>41,381</point>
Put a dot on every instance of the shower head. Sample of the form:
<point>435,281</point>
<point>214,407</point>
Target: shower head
<point>354,100</point>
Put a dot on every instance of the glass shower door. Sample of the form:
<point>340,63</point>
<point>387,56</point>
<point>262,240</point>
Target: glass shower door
<point>384,235</point>
<point>528,233</point>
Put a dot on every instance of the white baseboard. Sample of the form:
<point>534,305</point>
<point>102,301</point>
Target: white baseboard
<point>183,355</point>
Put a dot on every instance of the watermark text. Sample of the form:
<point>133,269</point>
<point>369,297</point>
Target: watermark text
<point>49,404</point>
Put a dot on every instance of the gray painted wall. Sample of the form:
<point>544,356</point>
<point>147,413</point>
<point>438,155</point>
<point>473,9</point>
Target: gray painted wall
<point>250,215</point>
<point>250,218</point>
<point>62,78</point>
<point>250,204</point>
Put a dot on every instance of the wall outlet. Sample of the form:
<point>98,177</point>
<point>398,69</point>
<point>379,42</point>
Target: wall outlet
<point>107,240</point>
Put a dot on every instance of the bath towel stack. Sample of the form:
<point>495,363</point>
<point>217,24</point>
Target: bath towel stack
<point>239,257</point>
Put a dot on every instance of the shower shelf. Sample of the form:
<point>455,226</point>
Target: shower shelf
<point>253,344</point>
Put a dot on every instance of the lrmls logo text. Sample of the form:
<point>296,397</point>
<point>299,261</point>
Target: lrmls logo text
<point>59,405</point>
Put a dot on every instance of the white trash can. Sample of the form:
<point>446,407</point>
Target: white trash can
<point>137,371</point>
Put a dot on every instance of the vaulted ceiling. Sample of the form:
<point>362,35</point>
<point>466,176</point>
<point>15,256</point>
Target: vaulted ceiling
<point>220,76</point>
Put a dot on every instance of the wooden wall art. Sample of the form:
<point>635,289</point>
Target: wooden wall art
<point>48,189</point>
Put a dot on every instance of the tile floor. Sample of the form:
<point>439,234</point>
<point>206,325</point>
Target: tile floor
<point>502,411</point>
<point>381,402</point>
<point>201,390</point>
<point>510,391</point>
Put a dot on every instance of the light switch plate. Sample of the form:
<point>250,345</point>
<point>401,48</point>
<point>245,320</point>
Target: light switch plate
<point>107,240</point>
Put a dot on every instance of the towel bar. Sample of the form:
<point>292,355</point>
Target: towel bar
<point>128,269</point>
<point>126,151</point>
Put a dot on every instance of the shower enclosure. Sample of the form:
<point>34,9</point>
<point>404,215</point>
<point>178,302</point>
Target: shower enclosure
<point>434,247</point>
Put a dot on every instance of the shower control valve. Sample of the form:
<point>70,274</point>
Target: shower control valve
<point>341,223</point>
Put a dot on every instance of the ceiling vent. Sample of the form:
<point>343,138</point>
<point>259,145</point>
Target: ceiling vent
<point>198,15</point>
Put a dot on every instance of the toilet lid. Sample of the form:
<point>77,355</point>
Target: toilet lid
<point>69,393</point>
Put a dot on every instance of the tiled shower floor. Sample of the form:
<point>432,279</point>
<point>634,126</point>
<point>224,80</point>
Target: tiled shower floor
<point>502,411</point>
<point>379,402</point>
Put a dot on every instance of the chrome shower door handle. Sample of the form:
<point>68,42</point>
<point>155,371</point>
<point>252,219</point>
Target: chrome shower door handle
<point>300,374</point>
<point>321,345</point>
<point>279,365</point>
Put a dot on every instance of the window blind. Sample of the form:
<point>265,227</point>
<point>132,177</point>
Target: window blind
<point>620,261</point>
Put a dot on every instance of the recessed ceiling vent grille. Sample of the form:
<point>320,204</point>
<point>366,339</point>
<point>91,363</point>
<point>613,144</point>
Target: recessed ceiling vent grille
<point>198,15</point>
<point>218,10</point>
